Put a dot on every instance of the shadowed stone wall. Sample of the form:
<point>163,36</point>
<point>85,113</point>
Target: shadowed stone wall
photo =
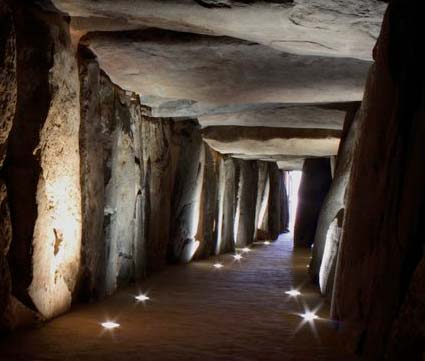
<point>8,93</point>
<point>315,182</point>
<point>379,292</point>
<point>275,226</point>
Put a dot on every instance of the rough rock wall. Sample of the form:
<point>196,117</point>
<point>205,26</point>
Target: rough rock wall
<point>8,92</point>
<point>95,183</point>
<point>207,230</point>
<point>406,341</point>
<point>379,292</point>
<point>227,194</point>
<point>93,255</point>
<point>121,194</point>
<point>315,182</point>
<point>284,204</point>
<point>188,186</point>
<point>274,204</point>
<point>45,194</point>
<point>326,249</point>
<point>245,224</point>
<point>271,206</point>
<point>158,170</point>
<point>57,231</point>
<point>262,201</point>
<point>8,86</point>
<point>111,181</point>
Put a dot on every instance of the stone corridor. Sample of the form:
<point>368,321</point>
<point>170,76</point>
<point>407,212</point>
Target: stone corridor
<point>143,141</point>
<point>196,312</point>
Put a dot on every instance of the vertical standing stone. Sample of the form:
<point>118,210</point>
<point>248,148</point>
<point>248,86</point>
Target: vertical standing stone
<point>332,205</point>
<point>187,191</point>
<point>315,182</point>
<point>261,218</point>
<point>111,179</point>
<point>227,206</point>
<point>22,168</point>
<point>8,85</point>
<point>408,331</point>
<point>92,179</point>
<point>159,177</point>
<point>8,92</point>
<point>43,165</point>
<point>207,231</point>
<point>139,216</point>
<point>246,202</point>
<point>284,204</point>
<point>383,235</point>
<point>274,206</point>
<point>121,194</point>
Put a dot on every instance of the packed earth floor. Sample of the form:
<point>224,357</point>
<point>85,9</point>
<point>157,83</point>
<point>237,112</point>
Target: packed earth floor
<point>198,312</point>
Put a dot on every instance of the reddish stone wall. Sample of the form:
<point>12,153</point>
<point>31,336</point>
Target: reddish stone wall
<point>383,234</point>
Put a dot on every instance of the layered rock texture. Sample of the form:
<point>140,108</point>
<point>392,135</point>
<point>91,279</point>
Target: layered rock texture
<point>245,66</point>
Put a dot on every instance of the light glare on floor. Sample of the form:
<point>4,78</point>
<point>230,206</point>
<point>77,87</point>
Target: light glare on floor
<point>266,243</point>
<point>246,249</point>
<point>142,298</point>
<point>237,257</point>
<point>309,316</point>
<point>218,265</point>
<point>110,325</point>
<point>293,293</point>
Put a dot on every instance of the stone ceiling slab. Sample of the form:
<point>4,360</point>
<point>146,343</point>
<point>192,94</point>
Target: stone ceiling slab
<point>192,75</point>
<point>309,27</point>
<point>296,116</point>
<point>272,141</point>
<point>289,165</point>
<point>283,162</point>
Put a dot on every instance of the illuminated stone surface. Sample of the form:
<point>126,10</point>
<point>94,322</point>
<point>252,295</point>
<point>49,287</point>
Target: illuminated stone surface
<point>187,190</point>
<point>44,194</point>
<point>263,192</point>
<point>246,200</point>
<point>57,230</point>
<point>325,250</point>
<point>227,195</point>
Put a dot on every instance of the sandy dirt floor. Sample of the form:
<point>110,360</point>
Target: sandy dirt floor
<point>197,312</point>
